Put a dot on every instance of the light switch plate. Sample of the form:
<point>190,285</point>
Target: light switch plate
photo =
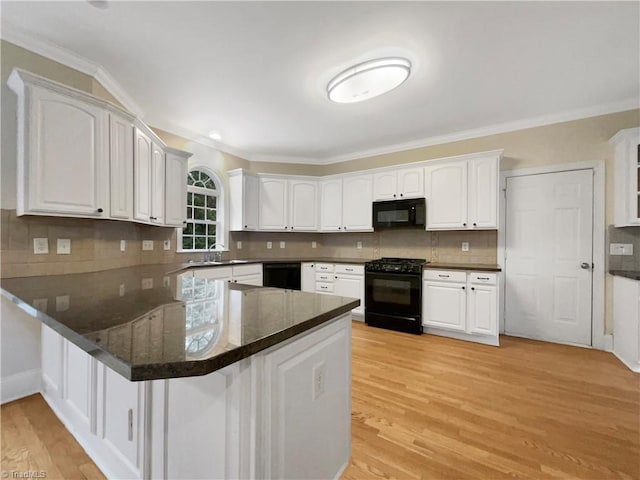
<point>63,246</point>
<point>239,245</point>
<point>465,246</point>
<point>122,290</point>
<point>147,283</point>
<point>62,303</point>
<point>147,245</point>
<point>40,246</point>
<point>314,245</point>
<point>359,244</point>
<point>166,244</point>
<point>281,244</point>
<point>123,245</point>
<point>621,249</point>
<point>269,245</point>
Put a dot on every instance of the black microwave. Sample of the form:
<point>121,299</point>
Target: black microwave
<point>408,213</point>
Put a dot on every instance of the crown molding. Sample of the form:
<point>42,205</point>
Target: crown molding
<point>52,51</point>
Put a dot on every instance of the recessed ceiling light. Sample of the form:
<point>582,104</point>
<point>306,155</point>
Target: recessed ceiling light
<point>214,135</point>
<point>101,4</point>
<point>369,79</point>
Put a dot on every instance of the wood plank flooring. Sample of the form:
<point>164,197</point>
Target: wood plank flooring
<point>426,407</point>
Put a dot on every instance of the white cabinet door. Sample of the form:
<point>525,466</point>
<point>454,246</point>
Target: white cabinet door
<point>252,279</point>
<point>482,309</point>
<point>357,198</point>
<point>66,157</point>
<point>243,201</point>
<point>483,193</point>
<point>350,286</point>
<point>51,362</point>
<point>384,186</point>
<point>444,305</point>
<point>308,277</point>
<point>303,198</point>
<point>273,204</point>
<point>250,207</point>
<point>78,369</point>
<point>176,190</point>
<point>216,273</point>
<point>446,193</point>
<point>411,182</point>
<point>157,184</point>
<point>331,205</point>
<point>121,167</point>
<point>142,172</point>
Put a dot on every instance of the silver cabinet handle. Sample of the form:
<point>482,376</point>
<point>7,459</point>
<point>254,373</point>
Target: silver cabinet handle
<point>483,278</point>
<point>130,420</point>
<point>443,276</point>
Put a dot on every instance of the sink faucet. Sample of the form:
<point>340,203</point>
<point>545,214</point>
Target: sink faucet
<point>213,255</point>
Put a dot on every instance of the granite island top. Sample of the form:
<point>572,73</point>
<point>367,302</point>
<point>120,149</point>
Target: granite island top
<point>632,274</point>
<point>148,324</point>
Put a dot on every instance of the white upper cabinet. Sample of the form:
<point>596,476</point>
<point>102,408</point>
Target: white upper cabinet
<point>243,204</point>
<point>331,205</point>
<point>463,194</point>
<point>273,203</point>
<point>63,153</point>
<point>303,200</point>
<point>357,198</point>
<point>175,191</point>
<point>397,184</point>
<point>121,167</point>
<point>67,137</point>
<point>627,177</point>
<point>447,195</point>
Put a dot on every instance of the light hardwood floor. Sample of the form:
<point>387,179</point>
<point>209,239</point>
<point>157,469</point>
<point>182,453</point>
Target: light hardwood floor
<point>426,407</point>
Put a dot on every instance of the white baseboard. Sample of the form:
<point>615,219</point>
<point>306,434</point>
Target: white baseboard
<point>634,367</point>
<point>467,337</point>
<point>607,344</point>
<point>19,385</point>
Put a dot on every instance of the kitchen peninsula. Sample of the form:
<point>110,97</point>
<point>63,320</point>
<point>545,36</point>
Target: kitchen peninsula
<point>170,375</point>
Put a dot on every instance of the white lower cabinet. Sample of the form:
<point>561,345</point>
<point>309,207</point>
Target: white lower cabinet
<point>344,280</point>
<point>626,321</point>
<point>461,304</point>
<point>246,274</point>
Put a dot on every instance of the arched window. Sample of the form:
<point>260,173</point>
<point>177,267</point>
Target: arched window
<point>203,228</point>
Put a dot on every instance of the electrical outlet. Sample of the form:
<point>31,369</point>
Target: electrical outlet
<point>281,244</point>
<point>621,249</point>
<point>123,245</point>
<point>319,378</point>
<point>359,244</point>
<point>465,246</point>
<point>269,245</point>
<point>40,246</point>
<point>63,246</point>
<point>147,283</point>
<point>147,245</point>
<point>62,303</point>
<point>314,245</point>
<point>122,290</point>
<point>166,244</point>
<point>239,245</point>
<point>41,304</point>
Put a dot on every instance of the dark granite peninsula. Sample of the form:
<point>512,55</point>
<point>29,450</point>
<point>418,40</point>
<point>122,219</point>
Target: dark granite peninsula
<point>228,377</point>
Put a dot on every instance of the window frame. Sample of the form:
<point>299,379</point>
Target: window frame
<point>218,193</point>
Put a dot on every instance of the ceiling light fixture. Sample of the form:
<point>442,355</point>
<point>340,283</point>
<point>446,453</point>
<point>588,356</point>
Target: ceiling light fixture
<point>99,4</point>
<point>369,79</point>
<point>215,136</point>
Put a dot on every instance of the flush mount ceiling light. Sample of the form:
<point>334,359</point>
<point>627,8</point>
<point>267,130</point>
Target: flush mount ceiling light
<point>369,79</point>
<point>214,135</point>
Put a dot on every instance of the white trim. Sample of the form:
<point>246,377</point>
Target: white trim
<point>598,299</point>
<point>630,365</point>
<point>608,343</point>
<point>20,385</point>
<point>118,92</point>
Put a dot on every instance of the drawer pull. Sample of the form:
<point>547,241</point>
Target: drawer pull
<point>483,278</point>
<point>349,269</point>
<point>443,276</point>
<point>130,426</point>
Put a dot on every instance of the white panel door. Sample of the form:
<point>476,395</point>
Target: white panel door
<point>482,309</point>
<point>157,185</point>
<point>384,186</point>
<point>447,196</point>
<point>331,205</point>
<point>175,209</point>
<point>357,200</point>
<point>411,183</point>
<point>303,199</point>
<point>68,165</point>
<point>444,305</point>
<point>142,177</point>
<point>483,193</point>
<point>121,164</point>
<point>350,286</point>
<point>273,204</point>
<point>549,235</point>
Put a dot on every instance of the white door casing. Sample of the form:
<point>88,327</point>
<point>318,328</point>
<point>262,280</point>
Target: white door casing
<point>548,235</point>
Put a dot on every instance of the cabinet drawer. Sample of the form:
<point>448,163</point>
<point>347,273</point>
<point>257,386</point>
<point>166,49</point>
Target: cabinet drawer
<point>324,287</point>
<point>483,278</point>
<point>253,269</point>
<point>324,277</point>
<point>445,275</point>
<point>349,269</point>
<point>324,267</point>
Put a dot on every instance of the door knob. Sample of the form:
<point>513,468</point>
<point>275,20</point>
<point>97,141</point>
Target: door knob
<point>585,265</point>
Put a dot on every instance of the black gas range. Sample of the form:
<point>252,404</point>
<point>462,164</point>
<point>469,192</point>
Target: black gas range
<point>393,294</point>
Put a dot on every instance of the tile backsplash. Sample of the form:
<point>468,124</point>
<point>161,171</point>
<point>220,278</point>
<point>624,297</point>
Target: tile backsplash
<point>625,235</point>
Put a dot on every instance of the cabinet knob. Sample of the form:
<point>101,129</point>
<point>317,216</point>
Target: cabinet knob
<point>100,210</point>
<point>244,226</point>
<point>285,227</point>
<point>339,228</point>
<point>336,276</point>
<point>229,281</point>
<point>394,195</point>
<point>345,228</point>
<point>475,224</point>
<point>153,218</point>
<point>235,281</point>
<point>184,222</point>
<point>473,288</point>
<point>402,194</point>
<point>464,288</point>
<point>291,228</point>
<point>464,224</point>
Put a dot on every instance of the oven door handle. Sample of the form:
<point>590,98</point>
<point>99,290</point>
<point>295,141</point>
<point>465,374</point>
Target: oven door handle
<point>391,274</point>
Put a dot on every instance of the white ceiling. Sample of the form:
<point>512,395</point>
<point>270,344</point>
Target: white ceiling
<point>257,71</point>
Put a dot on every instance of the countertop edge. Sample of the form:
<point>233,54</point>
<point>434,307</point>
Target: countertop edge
<point>467,267</point>
<point>631,274</point>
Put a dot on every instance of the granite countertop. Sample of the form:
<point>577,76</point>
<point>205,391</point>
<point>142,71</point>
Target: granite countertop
<point>474,267</point>
<point>148,324</point>
<point>632,274</point>
<point>248,261</point>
